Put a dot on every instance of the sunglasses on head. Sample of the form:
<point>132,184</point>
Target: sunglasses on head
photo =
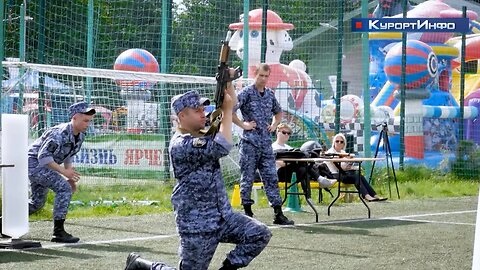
<point>339,141</point>
<point>286,133</point>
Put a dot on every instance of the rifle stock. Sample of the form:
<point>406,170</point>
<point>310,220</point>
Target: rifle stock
<point>222,77</point>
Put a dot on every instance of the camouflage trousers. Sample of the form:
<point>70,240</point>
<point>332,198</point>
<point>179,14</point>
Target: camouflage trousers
<point>44,179</point>
<point>263,159</point>
<point>197,249</point>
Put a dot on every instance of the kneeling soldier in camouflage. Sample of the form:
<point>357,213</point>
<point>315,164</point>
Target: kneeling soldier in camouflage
<point>204,216</point>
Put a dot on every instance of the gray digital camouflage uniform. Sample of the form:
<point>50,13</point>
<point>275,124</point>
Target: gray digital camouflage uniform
<point>256,144</point>
<point>203,213</point>
<point>57,144</point>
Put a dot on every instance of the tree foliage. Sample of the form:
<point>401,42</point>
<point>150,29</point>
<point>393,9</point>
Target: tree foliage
<point>197,28</point>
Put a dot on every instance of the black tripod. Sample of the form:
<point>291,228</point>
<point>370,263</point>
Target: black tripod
<point>383,137</point>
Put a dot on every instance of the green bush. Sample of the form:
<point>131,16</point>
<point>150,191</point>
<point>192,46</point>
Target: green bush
<point>467,162</point>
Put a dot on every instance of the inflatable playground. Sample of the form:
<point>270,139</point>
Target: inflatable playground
<point>432,86</point>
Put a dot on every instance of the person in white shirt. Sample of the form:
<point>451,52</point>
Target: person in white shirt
<point>365,189</point>
<point>285,171</point>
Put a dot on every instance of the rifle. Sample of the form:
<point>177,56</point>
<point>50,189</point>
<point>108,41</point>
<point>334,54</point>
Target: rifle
<point>222,77</point>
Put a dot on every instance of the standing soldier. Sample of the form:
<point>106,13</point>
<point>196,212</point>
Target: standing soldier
<point>258,104</point>
<point>203,213</point>
<point>58,145</point>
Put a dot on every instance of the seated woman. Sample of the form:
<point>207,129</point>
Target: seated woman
<point>366,190</point>
<point>284,171</point>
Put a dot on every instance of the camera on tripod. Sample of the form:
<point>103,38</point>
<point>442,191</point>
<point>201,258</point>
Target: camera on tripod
<point>384,140</point>
<point>384,125</point>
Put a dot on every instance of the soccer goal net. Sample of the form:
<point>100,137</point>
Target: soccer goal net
<point>133,123</point>
<point>129,137</point>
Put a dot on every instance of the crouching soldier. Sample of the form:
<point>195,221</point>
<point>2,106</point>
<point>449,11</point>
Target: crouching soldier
<point>55,147</point>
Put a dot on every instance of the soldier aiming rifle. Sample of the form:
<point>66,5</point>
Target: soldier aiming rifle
<point>203,214</point>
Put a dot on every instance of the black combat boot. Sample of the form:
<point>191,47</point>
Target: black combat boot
<point>280,219</point>
<point>248,210</point>
<point>134,262</point>
<point>227,265</point>
<point>60,235</point>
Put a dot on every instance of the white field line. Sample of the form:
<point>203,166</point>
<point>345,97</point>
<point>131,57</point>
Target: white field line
<point>434,214</point>
<point>146,238</point>
<point>434,221</point>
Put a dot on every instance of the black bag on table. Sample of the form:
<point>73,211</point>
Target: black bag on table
<point>290,153</point>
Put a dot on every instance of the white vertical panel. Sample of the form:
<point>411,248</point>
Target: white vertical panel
<point>15,180</point>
